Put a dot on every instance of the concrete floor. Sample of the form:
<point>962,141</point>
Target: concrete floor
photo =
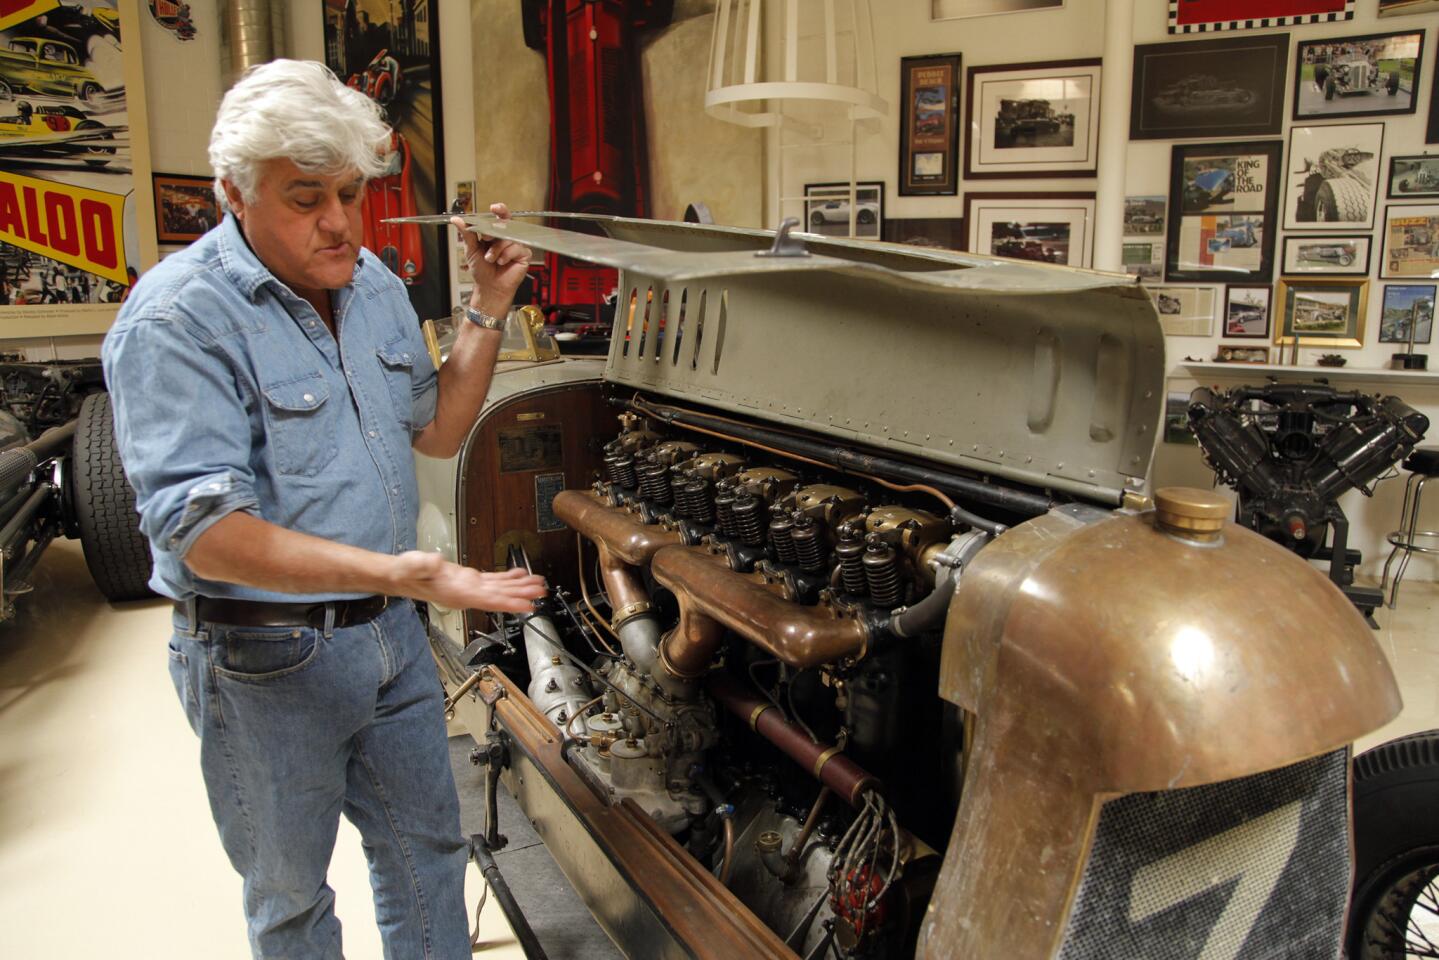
<point>107,848</point>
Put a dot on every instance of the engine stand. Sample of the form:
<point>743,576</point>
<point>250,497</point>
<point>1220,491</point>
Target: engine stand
<point>1342,562</point>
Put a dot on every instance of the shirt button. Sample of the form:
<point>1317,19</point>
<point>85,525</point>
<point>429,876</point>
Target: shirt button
<point>309,398</point>
<point>370,433</point>
<point>395,489</point>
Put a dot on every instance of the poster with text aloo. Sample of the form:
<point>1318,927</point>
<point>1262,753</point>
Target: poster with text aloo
<point>69,242</point>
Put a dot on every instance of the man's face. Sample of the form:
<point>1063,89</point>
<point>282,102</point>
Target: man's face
<point>305,227</point>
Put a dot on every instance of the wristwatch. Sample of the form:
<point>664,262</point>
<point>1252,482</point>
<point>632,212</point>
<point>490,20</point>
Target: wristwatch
<point>481,319</point>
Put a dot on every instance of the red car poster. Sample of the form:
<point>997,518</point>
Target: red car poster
<point>1201,16</point>
<point>69,246</point>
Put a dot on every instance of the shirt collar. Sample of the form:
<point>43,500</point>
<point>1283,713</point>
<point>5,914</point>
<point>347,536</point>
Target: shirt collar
<point>244,268</point>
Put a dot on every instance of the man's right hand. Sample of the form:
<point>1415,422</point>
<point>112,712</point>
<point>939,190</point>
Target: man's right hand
<point>430,577</point>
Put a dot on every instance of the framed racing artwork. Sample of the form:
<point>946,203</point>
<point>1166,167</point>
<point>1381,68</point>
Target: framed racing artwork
<point>1333,176</point>
<point>1224,87</point>
<point>1223,208</point>
<point>929,138</point>
<point>185,207</point>
<point>1203,16</point>
<point>1246,311</point>
<point>1043,227</point>
<point>1346,256</point>
<point>76,224</point>
<point>1411,242</point>
<point>1413,177</point>
<point>1368,76</point>
<point>1033,120</point>
<point>1406,306</point>
<point>1320,312</point>
<point>391,53</point>
<point>836,210</point>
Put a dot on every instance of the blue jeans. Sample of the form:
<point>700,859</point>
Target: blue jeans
<point>298,725</point>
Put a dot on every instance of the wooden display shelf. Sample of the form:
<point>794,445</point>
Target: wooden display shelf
<point>1259,371</point>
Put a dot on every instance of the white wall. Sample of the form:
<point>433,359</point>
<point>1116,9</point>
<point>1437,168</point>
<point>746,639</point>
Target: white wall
<point>904,29</point>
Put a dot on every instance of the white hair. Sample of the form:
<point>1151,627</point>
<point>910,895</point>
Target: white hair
<point>300,111</point>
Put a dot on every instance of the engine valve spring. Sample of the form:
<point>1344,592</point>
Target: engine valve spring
<point>620,469</point>
<point>699,505</point>
<point>655,482</point>
<point>850,551</point>
<point>881,573</point>
<point>724,512</point>
<point>749,525</point>
<point>808,547</point>
<point>780,530</point>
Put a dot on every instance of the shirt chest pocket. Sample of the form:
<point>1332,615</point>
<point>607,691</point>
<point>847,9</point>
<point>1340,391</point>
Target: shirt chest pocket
<point>300,425</point>
<point>397,364</point>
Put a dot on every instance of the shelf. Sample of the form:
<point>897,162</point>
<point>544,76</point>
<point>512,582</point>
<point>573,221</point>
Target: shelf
<point>1258,371</point>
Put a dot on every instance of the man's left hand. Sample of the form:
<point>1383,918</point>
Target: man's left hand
<point>497,266</point>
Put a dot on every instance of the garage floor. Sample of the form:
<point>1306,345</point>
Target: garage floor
<point>106,844</point>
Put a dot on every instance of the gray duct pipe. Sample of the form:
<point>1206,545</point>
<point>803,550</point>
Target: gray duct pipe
<point>252,32</point>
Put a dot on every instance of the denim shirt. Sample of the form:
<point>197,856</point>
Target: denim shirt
<point>230,393</point>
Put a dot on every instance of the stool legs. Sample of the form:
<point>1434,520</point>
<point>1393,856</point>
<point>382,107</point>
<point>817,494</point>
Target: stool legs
<point>1409,534</point>
<point>1399,532</point>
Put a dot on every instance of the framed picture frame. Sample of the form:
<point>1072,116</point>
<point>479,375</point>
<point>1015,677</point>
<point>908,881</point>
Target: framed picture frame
<point>1406,8</point>
<point>1184,311</point>
<point>1033,120</point>
<point>1333,179</point>
<point>1144,216</point>
<point>185,207</point>
<point>1413,177</point>
<point>1203,16</point>
<point>1143,257</point>
<point>1320,312</point>
<point>1195,89</point>
<point>827,209</point>
<point>1043,227</point>
<point>1346,256</point>
<point>1246,311</point>
<point>959,9</point>
<point>1240,353</point>
<point>1370,76</point>
<point>1403,303</point>
<point>939,233</point>
<point>1411,242</point>
<point>1223,205</point>
<point>929,136</point>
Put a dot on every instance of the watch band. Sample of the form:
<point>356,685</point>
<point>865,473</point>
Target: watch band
<point>481,319</point>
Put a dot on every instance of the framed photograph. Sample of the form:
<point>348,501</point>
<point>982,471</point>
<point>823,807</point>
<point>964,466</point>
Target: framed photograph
<point>1176,418</point>
<point>1143,216</point>
<point>1335,256</point>
<point>957,9</point>
<point>942,233</point>
<point>1234,353</point>
<point>1143,258</point>
<point>1044,227</point>
<point>1367,76</point>
<point>1201,16</point>
<point>1033,120</point>
<point>1411,242</point>
<point>1405,8</point>
<point>1415,177</point>
<point>827,209</point>
<point>1246,311</point>
<point>1407,305</point>
<point>1184,311</point>
<point>929,142</point>
<point>1321,313</point>
<point>1223,203</point>
<point>1226,87</point>
<point>185,207</point>
<point>1333,177</point>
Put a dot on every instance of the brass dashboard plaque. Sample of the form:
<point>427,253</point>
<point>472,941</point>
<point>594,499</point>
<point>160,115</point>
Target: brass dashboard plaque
<point>538,447</point>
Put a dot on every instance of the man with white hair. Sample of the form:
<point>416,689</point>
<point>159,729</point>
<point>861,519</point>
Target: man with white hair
<point>269,383</point>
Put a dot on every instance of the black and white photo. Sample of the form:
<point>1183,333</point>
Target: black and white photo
<point>1333,176</point>
<point>1413,177</point>
<point>1228,87</point>
<point>1364,76</point>
<point>1033,120</point>
<point>1336,256</point>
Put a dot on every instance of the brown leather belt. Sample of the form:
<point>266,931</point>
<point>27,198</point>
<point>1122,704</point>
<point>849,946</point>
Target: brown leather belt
<point>255,613</point>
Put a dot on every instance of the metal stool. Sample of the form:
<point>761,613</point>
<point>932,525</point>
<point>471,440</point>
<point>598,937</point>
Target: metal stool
<point>1422,465</point>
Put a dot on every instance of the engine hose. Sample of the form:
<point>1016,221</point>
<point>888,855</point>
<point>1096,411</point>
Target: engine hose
<point>929,613</point>
<point>524,933</point>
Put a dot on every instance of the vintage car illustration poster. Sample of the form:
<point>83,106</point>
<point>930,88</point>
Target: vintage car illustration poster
<point>1184,311</point>
<point>1222,206</point>
<point>174,17</point>
<point>1358,76</point>
<point>1043,227</point>
<point>1404,304</point>
<point>1336,256</point>
<point>1333,176</point>
<point>929,143</point>
<point>1411,242</point>
<point>1033,120</point>
<point>389,50</point>
<point>1201,16</point>
<point>1226,87</point>
<point>71,220</point>
<point>1413,178</point>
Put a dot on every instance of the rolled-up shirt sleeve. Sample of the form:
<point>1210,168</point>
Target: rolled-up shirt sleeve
<point>182,429</point>
<point>424,380</point>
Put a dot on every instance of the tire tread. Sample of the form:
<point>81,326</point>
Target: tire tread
<point>116,552</point>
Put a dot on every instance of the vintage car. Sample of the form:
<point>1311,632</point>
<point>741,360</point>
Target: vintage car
<point>929,122</point>
<point>1337,186</point>
<point>1023,248</point>
<point>1340,253</point>
<point>380,80</point>
<point>1237,234</point>
<point>867,636</point>
<point>399,246</point>
<point>1200,93</point>
<point>45,66</point>
<point>1025,118</point>
<point>57,131</point>
<point>1422,179</point>
<point>837,211</point>
<point>1208,186</point>
<point>1353,73</point>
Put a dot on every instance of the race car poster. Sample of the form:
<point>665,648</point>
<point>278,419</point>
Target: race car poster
<point>74,230</point>
<point>1223,199</point>
<point>1411,242</point>
<point>390,51</point>
<point>929,143</point>
<point>1201,16</point>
